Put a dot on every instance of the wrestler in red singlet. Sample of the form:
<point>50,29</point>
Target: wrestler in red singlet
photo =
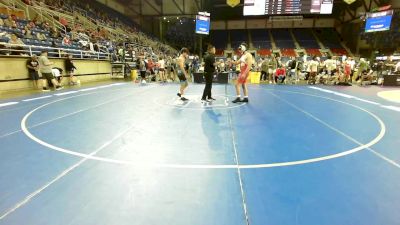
<point>245,65</point>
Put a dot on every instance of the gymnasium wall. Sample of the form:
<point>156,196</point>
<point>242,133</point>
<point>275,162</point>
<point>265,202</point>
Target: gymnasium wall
<point>14,74</point>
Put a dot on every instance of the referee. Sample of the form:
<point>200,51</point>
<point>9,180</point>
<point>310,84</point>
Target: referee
<point>209,69</point>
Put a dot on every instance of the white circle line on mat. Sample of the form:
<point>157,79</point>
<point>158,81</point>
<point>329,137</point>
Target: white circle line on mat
<point>210,166</point>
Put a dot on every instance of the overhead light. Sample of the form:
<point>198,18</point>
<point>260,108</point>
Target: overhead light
<point>165,18</point>
<point>168,21</point>
<point>177,17</point>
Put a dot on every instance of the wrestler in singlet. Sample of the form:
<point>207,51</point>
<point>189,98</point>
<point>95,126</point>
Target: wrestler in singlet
<point>245,62</point>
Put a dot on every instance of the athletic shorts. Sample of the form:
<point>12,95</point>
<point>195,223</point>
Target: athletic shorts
<point>34,75</point>
<point>143,74</point>
<point>242,79</point>
<point>47,76</point>
<point>181,76</point>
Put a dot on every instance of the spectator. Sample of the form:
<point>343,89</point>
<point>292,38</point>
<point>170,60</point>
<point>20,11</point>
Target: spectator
<point>362,67</point>
<point>27,32</point>
<point>292,66</point>
<point>264,70</point>
<point>397,68</point>
<point>272,66</point>
<point>57,73</point>
<point>66,41</point>
<point>47,73</point>
<point>330,65</point>
<point>313,64</point>
<point>1,22</point>
<point>70,69</point>
<point>40,36</point>
<point>32,23</point>
<point>9,22</point>
<point>55,33</point>
<point>280,75</point>
<point>33,67</point>
<point>14,40</point>
<point>63,21</point>
<point>161,65</point>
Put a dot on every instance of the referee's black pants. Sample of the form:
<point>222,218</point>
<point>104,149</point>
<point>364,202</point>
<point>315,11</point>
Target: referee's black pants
<point>207,90</point>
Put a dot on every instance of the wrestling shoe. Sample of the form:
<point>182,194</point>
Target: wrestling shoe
<point>179,95</point>
<point>237,100</point>
<point>245,100</point>
<point>211,99</point>
<point>59,88</point>
<point>184,99</point>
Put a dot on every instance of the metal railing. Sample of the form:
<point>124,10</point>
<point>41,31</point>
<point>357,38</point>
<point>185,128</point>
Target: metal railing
<point>29,50</point>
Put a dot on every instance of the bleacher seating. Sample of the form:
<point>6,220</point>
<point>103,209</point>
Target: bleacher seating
<point>264,52</point>
<point>288,52</point>
<point>260,39</point>
<point>313,52</point>
<point>238,37</point>
<point>305,38</point>
<point>329,37</point>
<point>283,39</point>
<point>219,38</point>
<point>339,51</point>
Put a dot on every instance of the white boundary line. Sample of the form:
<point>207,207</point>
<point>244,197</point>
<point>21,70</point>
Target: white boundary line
<point>66,93</point>
<point>210,166</point>
<point>394,108</point>
<point>7,104</point>
<point>246,214</point>
<point>61,175</point>
<point>38,98</point>
<point>62,93</point>
<point>73,113</point>
<point>336,130</point>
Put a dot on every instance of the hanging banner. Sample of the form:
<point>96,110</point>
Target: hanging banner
<point>232,3</point>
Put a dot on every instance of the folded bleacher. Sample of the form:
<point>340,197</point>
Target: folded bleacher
<point>260,39</point>
<point>238,37</point>
<point>219,38</point>
<point>283,39</point>
<point>305,38</point>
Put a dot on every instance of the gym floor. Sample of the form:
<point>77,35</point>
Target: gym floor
<point>123,153</point>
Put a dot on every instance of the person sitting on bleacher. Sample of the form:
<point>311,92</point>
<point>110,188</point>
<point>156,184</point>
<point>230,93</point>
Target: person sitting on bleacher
<point>27,32</point>
<point>66,41</point>
<point>14,40</point>
<point>9,22</point>
<point>1,22</point>
<point>40,36</point>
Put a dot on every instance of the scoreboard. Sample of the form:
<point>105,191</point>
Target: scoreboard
<point>277,7</point>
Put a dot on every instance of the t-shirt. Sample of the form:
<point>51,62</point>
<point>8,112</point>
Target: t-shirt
<point>43,60</point>
<point>32,63</point>
<point>330,64</point>
<point>209,63</point>
<point>280,72</point>
<point>161,63</point>
<point>314,66</point>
